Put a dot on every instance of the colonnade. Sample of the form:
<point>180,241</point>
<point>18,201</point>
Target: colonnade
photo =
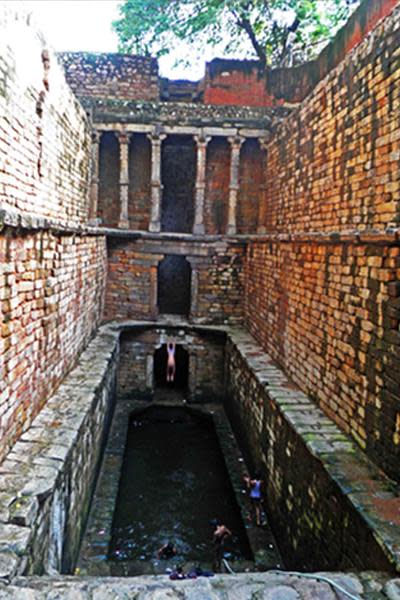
<point>156,139</point>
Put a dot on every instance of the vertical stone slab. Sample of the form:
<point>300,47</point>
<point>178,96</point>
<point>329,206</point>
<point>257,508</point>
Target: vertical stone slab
<point>200,186</point>
<point>94,181</point>
<point>236,143</point>
<point>262,204</point>
<point>123,138</point>
<point>156,187</point>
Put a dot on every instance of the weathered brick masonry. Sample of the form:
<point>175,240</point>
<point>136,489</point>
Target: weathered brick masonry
<point>44,133</point>
<point>216,284</point>
<point>99,75</point>
<point>52,271</point>
<point>333,163</point>
<point>326,306</point>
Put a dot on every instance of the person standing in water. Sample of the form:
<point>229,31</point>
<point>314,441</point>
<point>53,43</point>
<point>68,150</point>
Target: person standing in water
<point>171,364</point>
<point>254,485</point>
<point>220,535</point>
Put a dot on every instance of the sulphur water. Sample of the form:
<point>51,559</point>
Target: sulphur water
<point>173,483</point>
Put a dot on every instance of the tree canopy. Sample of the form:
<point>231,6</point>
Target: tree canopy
<point>277,32</point>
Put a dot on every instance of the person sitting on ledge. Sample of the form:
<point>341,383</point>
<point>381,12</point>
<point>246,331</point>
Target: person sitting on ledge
<point>167,551</point>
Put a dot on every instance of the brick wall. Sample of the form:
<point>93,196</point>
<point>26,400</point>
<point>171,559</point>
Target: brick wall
<point>217,278</point>
<point>217,186</point>
<point>319,487</point>
<point>121,76</point>
<point>333,164</point>
<point>44,141</point>
<point>329,313</point>
<point>51,301</point>
<point>240,82</point>
<point>51,283</point>
<point>251,185</point>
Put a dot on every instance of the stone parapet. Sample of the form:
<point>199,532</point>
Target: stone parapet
<point>46,480</point>
<point>329,504</point>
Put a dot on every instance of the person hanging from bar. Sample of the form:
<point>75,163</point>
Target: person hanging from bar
<point>171,364</point>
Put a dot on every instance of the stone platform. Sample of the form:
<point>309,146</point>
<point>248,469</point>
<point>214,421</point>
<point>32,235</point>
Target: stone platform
<point>254,586</point>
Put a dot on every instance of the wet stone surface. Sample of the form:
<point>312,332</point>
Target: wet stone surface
<point>251,586</point>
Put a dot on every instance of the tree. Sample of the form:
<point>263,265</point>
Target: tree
<point>278,32</point>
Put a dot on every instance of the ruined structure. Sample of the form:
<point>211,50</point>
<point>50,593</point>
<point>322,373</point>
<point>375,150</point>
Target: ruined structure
<point>261,206</point>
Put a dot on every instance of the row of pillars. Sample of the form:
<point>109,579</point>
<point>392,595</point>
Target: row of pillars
<point>156,185</point>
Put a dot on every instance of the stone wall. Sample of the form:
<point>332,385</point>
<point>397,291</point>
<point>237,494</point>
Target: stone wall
<point>216,277</point>
<point>44,135</point>
<point>118,75</point>
<point>329,313</point>
<point>333,163</point>
<point>136,372</point>
<point>46,481</point>
<point>327,504</point>
<point>325,305</point>
<point>51,302</point>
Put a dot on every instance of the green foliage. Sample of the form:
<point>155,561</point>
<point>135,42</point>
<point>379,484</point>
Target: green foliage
<point>278,32</point>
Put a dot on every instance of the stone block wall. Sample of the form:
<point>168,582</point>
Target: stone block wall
<point>44,134</point>
<point>216,278</point>
<point>329,313</point>
<point>51,302</point>
<point>324,498</point>
<point>333,163</point>
<point>122,76</point>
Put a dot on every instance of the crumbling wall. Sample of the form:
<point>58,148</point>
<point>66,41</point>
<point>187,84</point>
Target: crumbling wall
<point>245,82</point>
<point>120,76</point>
<point>324,301</point>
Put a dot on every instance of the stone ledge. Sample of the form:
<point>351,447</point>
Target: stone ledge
<point>367,236</point>
<point>19,220</point>
<point>41,466</point>
<point>371,493</point>
<point>263,586</point>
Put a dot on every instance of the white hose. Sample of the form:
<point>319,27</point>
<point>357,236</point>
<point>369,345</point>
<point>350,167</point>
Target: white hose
<point>319,578</point>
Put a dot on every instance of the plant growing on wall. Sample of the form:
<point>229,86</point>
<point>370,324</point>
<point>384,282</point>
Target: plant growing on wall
<point>278,32</point>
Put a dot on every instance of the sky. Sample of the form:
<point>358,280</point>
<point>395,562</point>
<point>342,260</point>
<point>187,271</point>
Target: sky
<point>86,25</point>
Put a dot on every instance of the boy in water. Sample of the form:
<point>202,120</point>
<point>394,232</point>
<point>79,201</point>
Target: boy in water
<point>220,535</point>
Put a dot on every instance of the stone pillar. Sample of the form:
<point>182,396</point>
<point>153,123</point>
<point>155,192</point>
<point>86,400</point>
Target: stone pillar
<point>262,203</point>
<point>195,263</point>
<point>94,181</point>
<point>123,138</point>
<point>236,143</point>
<point>154,290</point>
<point>156,187</point>
<point>200,187</point>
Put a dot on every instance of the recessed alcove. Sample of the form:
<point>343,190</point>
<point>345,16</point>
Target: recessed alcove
<point>108,204</point>
<point>174,285</point>
<point>178,172</point>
